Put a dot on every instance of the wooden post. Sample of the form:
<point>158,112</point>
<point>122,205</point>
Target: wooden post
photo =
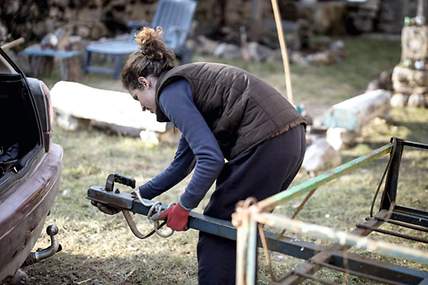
<point>246,242</point>
<point>241,240</point>
<point>251,251</point>
<point>283,46</point>
<point>13,43</point>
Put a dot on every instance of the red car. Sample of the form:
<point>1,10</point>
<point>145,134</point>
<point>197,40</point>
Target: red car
<point>30,167</point>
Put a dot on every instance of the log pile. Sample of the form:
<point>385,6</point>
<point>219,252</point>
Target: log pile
<point>346,120</point>
<point>323,52</point>
<point>385,16</point>
<point>224,19</point>
<point>93,19</point>
<point>90,19</point>
<point>327,17</point>
<point>361,16</point>
<point>393,12</point>
<point>341,127</point>
<point>410,77</point>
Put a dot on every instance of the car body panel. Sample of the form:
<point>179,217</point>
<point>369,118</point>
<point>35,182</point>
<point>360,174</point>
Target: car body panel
<point>24,207</point>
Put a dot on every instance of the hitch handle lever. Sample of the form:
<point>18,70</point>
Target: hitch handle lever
<point>112,178</point>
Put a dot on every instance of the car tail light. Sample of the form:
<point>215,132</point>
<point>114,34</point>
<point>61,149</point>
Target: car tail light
<point>49,115</point>
<point>46,93</point>
<point>41,95</point>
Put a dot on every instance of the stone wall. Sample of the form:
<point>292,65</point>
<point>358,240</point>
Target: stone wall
<point>410,77</point>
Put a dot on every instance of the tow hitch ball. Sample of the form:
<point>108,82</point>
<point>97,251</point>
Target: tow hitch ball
<point>41,254</point>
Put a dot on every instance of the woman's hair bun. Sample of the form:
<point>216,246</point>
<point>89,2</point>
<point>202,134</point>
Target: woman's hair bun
<point>151,43</point>
<point>152,58</point>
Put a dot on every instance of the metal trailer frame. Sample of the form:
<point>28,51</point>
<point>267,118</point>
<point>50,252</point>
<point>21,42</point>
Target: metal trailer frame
<point>249,215</point>
<point>316,256</point>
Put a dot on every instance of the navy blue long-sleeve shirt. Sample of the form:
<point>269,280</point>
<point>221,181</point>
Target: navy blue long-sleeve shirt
<point>197,144</point>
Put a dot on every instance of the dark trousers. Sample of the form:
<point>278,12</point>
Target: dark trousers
<point>263,171</point>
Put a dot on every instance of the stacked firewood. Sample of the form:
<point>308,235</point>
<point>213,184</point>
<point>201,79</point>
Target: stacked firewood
<point>410,77</point>
<point>361,16</point>
<point>93,19</point>
<point>90,19</point>
<point>392,13</point>
<point>223,19</point>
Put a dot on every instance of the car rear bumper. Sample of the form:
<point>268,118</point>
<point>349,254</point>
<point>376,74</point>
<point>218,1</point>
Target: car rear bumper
<point>24,210</point>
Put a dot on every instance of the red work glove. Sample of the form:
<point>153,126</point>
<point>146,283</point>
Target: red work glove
<point>176,217</point>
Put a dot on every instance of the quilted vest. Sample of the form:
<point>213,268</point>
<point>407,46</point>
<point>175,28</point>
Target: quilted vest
<point>240,109</point>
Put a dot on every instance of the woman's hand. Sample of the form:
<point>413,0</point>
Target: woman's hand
<point>105,208</point>
<point>176,217</point>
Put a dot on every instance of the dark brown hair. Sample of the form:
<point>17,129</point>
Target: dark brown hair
<point>152,58</point>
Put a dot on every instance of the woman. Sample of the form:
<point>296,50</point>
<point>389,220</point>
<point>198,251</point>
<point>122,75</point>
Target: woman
<point>223,112</point>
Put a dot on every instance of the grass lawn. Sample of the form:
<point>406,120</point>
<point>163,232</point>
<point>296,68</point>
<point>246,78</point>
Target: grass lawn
<point>100,249</point>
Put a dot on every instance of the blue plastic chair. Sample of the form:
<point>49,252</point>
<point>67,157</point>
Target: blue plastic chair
<point>175,18</point>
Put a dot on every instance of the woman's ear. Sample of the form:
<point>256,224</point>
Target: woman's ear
<point>143,81</point>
